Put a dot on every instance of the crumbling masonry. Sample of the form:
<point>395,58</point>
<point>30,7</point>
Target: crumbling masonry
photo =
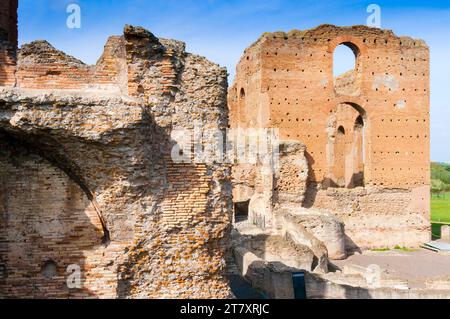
<point>365,134</point>
<point>89,186</point>
<point>87,181</point>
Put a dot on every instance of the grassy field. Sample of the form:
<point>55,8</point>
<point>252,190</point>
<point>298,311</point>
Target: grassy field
<point>440,211</point>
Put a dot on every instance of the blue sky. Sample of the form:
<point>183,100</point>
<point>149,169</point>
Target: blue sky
<point>222,29</point>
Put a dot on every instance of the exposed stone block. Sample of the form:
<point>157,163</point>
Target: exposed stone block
<point>366,133</point>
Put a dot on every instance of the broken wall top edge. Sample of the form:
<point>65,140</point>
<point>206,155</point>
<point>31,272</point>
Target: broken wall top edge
<point>68,97</point>
<point>323,29</point>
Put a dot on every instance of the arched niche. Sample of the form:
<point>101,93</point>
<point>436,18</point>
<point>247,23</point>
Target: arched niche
<point>47,223</point>
<point>242,95</point>
<point>346,147</point>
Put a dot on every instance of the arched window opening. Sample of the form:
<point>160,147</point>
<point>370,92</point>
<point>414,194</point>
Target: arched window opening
<point>242,94</point>
<point>242,104</point>
<point>339,158</point>
<point>344,60</point>
<point>359,123</point>
<point>345,68</point>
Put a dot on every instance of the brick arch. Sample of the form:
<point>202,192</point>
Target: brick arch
<point>50,151</point>
<point>360,106</point>
<point>242,94</point>
<point>347,152</point>
<point>358,103</point>
<point>347,39</point>
<point>358,49</point>
<point>48,225</point>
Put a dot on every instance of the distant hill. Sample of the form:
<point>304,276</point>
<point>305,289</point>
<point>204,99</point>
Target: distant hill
<point>440,177</point>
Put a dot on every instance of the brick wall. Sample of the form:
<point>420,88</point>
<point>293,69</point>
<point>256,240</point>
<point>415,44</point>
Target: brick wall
<point>41,66</point>
<point>7,64</point>
<point>195,206</point>
<point>388,90</point>
<point>297,89</point>
<point>109,154</point>
<point>46,219</point>
<point>8,21</point>
<point>8,41</point>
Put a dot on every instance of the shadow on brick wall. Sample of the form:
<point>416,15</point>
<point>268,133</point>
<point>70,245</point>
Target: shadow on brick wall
<point>46,225</point>
<point>153,267</point>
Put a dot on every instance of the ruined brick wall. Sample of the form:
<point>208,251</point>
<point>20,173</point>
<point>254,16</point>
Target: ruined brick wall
<point>377,217</point>
<point>183,91</point>
<point>64,160</point>
<point>138,223</point>
<point>245,102</point>
<point>47,224</point>
<point>7,64</point>
<point>345,147</point>
<point>388,90</point>
<point>8,41</point>
<point>8,21</point>
<point>42,66</point>
<point>268,187</point>
<point>297,90</point>
<point>292,175</point>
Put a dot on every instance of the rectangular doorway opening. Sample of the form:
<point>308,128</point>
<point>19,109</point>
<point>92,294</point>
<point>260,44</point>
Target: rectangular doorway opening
<point>241,211</point>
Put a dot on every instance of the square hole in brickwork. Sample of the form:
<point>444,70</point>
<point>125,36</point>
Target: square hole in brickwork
<point>241,211</point>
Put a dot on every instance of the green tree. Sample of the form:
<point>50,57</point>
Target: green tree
<point>438,186</point>
<point>440,171</point>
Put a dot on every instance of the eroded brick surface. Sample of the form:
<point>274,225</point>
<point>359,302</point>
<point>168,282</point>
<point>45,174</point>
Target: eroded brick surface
<point>87,176</point>
<point>367,128</point>
<point>8,41</point>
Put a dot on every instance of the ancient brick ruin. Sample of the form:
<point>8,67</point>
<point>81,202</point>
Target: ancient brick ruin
<point>365,134</point>
<point>8,41</point>
<point>89,181</point>
<point>86,174</point>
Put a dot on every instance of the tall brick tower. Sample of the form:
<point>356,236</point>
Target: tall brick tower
<point>8,21</point>
<point>8,41</point>
<point>368,129</point>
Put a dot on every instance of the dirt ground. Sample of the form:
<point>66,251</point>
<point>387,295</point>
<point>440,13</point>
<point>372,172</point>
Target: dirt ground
<point>416,267</point>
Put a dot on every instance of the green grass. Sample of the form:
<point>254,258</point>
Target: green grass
<point>440,204</point>
<point>405,249</point>
<point>440,208</point>
<point>440,212</point>
<point>380,249</point>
